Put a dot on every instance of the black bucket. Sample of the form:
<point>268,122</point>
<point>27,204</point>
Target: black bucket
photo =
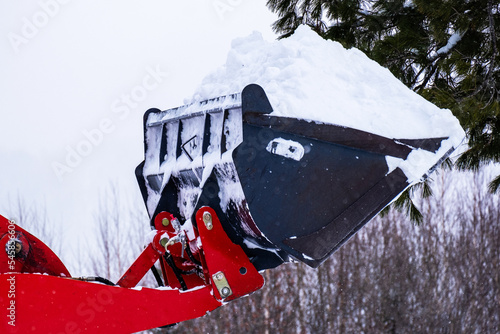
<point>303,188</point>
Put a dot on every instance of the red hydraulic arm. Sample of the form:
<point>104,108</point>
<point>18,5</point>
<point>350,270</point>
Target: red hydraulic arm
<point>200,273</point>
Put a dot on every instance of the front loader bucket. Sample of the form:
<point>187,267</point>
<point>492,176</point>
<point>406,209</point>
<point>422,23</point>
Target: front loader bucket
<point>284,188</point>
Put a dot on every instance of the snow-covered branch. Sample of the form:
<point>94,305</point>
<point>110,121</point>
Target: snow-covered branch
<point>452,41</point>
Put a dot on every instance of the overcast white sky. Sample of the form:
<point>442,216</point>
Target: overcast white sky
<point>80,72</point>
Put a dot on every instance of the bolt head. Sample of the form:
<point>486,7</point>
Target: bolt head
<point>165,222</point>
<point>225,291</point>
<point>19,247</point>
<point>207,219</point>
<point>163,241</point>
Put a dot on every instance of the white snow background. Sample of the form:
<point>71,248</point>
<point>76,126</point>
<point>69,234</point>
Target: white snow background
<point>77,76</point>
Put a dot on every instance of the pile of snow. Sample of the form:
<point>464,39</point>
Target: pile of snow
<point>310,78</point>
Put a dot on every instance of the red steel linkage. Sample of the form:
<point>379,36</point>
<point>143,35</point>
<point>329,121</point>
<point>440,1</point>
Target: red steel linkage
<point>52,304</point>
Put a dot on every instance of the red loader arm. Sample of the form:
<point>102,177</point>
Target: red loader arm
<point>38,295</point>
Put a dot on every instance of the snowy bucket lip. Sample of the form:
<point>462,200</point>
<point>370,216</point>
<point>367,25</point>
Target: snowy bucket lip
<point>214,105</point>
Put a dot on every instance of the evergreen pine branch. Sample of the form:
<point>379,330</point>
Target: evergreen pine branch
<point>494,185</point>
<point>447,164</point>
<point>404,203</point>
<point>494,52</point>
